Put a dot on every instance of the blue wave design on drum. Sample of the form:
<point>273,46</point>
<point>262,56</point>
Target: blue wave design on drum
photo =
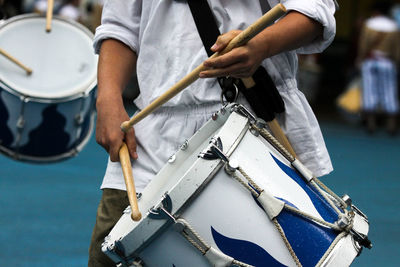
<point>323,208</point>
<point>306,236</point>
<point>41,139</point>
<point>244,251</point>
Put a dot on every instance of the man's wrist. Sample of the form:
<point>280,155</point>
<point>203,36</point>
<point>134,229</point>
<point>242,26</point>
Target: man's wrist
<point>109,95</point>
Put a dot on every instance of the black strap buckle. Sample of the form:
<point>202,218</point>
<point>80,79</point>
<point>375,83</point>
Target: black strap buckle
<point>230,89</point>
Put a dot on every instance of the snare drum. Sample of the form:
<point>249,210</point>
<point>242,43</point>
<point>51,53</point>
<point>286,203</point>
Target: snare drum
<point>48,115</point>
<point>230,196</point>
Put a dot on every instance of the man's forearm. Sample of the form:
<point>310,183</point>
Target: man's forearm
<point>117,64</point>
<point>289,33</point>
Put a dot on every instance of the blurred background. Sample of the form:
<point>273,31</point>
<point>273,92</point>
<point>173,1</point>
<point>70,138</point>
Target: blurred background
<point>47,210</point>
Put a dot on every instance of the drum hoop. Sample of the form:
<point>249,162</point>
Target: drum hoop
<point>86,31</point>
<point>71,153</point>
<point>55,17</point>
<point>28,98</point>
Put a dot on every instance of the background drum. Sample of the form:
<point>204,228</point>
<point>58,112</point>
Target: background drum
<point>48,115</point>
<point>230,196</point>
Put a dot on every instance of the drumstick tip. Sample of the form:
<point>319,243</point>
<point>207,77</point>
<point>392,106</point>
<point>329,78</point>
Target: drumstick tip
<point>136,216</point>
<point>282,7</point>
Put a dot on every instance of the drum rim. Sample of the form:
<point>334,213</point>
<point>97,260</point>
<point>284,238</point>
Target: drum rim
<point>86,31</point>
<point>28,98</point>
<point>57,17</point>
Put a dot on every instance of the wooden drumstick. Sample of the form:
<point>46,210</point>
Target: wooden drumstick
<point>273,124</point>
<point>241,39</point>
<point>49,14</point>
<point>129,182</point>
<point>280,136</point>
<point>16,61</point>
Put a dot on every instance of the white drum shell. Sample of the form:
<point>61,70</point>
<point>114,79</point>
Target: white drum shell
<point>208,197</point>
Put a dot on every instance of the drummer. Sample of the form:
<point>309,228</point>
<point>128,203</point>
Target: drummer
<point>159,41</point>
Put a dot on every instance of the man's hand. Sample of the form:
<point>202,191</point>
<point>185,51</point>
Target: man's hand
<point>289,33</point>
<point>240,62</point>
<point>117,64</point>
<point>110,114</point>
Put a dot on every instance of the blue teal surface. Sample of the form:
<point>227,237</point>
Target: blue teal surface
<point>367,168</point>
<point>47,211</point>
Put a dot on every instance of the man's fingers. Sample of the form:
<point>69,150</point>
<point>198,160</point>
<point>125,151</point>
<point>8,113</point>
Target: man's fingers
<point>224,73</point>
<point>216,73</point>
<point>226,60</point>
<point>115,146</point>
<point>131,143</point>
<point>112,142</point>
<point>223,40</point>
<point>114,150</point>
<point>231,67</point>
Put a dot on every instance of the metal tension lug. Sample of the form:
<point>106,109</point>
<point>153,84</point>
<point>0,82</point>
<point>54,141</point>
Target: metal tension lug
<point>343,222</point>
<point>232,166</point>
<point>179,225</point>
<point>259,124</point>
<point>347,200</point>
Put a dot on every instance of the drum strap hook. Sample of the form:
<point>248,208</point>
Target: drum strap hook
<point>218,152</point>
<point>163,209</point>
<point>211,152</point>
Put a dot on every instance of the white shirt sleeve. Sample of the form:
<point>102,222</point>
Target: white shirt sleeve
<point>121,21</point>
<point>322,11</point>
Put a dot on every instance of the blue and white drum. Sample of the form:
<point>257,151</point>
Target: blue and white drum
<point>48,115</point>
<point>231,197</point>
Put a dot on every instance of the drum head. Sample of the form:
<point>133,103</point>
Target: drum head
<point>63,61</point>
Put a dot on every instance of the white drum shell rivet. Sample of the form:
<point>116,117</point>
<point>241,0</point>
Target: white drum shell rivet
<point>185,145</point>
<point>232,166</point>
<point>172,159</point>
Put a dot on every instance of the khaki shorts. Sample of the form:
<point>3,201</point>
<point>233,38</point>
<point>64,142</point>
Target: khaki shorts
<point>112,204</point>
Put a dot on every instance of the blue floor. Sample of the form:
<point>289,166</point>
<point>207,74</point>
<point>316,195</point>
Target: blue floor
<point>368,169</point>
<point>48,211</point>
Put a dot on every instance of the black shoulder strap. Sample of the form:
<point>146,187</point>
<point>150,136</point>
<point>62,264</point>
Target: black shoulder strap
<point>264,6</point>
<point>208,30</point>
<point>205,23</point>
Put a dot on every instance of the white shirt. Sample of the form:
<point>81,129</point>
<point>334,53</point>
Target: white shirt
<point>164,36</point>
